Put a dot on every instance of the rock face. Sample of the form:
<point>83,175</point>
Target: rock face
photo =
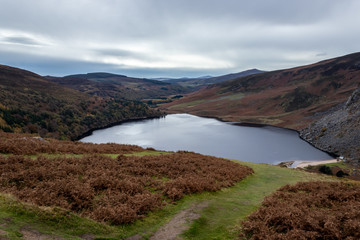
<point>339,130</point>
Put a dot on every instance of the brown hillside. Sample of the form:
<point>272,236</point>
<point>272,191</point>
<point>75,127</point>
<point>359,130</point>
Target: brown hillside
<point>33,104</point>
<point>287,98</point>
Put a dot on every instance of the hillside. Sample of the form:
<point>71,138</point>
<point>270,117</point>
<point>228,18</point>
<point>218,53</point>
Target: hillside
<point>118,86</point>
<point>53,189</point>
<point>338,130</point>
<point>288,98</point>
<point>31,103</point>
<point>197,83</point>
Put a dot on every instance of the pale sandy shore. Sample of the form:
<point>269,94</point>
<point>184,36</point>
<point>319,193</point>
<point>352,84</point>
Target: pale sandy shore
<point>314,163</point>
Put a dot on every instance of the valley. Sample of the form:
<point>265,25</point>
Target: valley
<point>179,120</point>
<point>55,187</point>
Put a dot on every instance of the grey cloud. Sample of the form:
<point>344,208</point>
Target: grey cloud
<point>20,40</point>
<point>246,34</point>
<point>45,65</point>
<point>322,54</point>
<point>114,52</point>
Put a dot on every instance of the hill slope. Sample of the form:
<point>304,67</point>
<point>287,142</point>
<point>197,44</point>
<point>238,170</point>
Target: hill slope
<point>287,98</point>
<point>31,103</point>
<point>339,130</point>
<point>118,86</point>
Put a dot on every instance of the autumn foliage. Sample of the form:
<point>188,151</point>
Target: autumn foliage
<point>113,190</point>
<point>20,144</point>
<point>312,210</point>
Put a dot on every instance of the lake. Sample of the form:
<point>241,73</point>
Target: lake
<point>212,137</point>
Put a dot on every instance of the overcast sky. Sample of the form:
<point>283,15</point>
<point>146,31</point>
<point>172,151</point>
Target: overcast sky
<point>174,38</point>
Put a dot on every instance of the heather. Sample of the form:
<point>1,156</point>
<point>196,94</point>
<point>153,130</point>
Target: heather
<point>115,190</point>
<point>20,144</point>
<point>308,210</point>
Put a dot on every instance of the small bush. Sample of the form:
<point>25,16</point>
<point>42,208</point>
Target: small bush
<point>341,173</point>
<point>325,169</point>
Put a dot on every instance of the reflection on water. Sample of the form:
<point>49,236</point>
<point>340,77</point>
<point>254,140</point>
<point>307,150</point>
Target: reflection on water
<point>212,137</point>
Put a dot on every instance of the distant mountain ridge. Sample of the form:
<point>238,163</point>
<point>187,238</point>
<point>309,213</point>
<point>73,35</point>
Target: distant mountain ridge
<point>197,83</point>
<point>118,86</point>
<point>95,75</point>
<point>174,80</point>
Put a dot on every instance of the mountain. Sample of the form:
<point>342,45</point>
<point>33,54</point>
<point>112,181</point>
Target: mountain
<point>175,80</point>
<point>31,103</point>
<point>338,131</point>
<point>118,86</point>
<point>288,98</point>
<point>197,83</point>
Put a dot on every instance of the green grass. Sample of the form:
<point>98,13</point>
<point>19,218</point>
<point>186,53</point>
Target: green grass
<point>220,220</point>
<point>147,153</point>
<point>15,215</point>
<point>339,164</point>
<point>189,104</point>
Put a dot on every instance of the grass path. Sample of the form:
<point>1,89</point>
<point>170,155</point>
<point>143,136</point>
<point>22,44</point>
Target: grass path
<point>221,220</point>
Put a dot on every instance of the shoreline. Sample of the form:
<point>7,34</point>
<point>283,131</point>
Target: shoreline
<point>89,132</point>
<point>315,163</point>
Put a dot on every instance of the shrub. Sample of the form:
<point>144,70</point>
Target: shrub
<point>325,169</point>
<point>114,190</point>
<point>312,210</point>
<point>341,173</point>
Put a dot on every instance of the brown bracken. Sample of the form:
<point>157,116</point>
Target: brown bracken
<point>311,210</point>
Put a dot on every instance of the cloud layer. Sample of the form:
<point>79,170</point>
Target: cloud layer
<point>149,38</point>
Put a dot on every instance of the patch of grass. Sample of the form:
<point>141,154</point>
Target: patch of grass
<point>147,153</point>
<point>188,104</point>
<point>235,96</point>
<point>15,215</point>
<point>339,164</point>
<point>67,155</point>
<point>112,155</point>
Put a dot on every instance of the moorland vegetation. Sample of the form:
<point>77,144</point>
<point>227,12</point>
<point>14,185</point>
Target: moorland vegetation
<point>32,104</point>
<point>308,210</point>
<point>115,189</point>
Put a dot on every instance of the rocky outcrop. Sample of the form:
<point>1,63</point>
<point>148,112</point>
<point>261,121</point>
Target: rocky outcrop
<point>339,130</point>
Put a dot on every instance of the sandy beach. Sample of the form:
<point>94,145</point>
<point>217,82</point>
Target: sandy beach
<point>314,163</point>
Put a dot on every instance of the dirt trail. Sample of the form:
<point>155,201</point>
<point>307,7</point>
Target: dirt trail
<point>31,234</point>
<point>179,223</point>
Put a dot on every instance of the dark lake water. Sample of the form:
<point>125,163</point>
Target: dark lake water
<point>212,137</point>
